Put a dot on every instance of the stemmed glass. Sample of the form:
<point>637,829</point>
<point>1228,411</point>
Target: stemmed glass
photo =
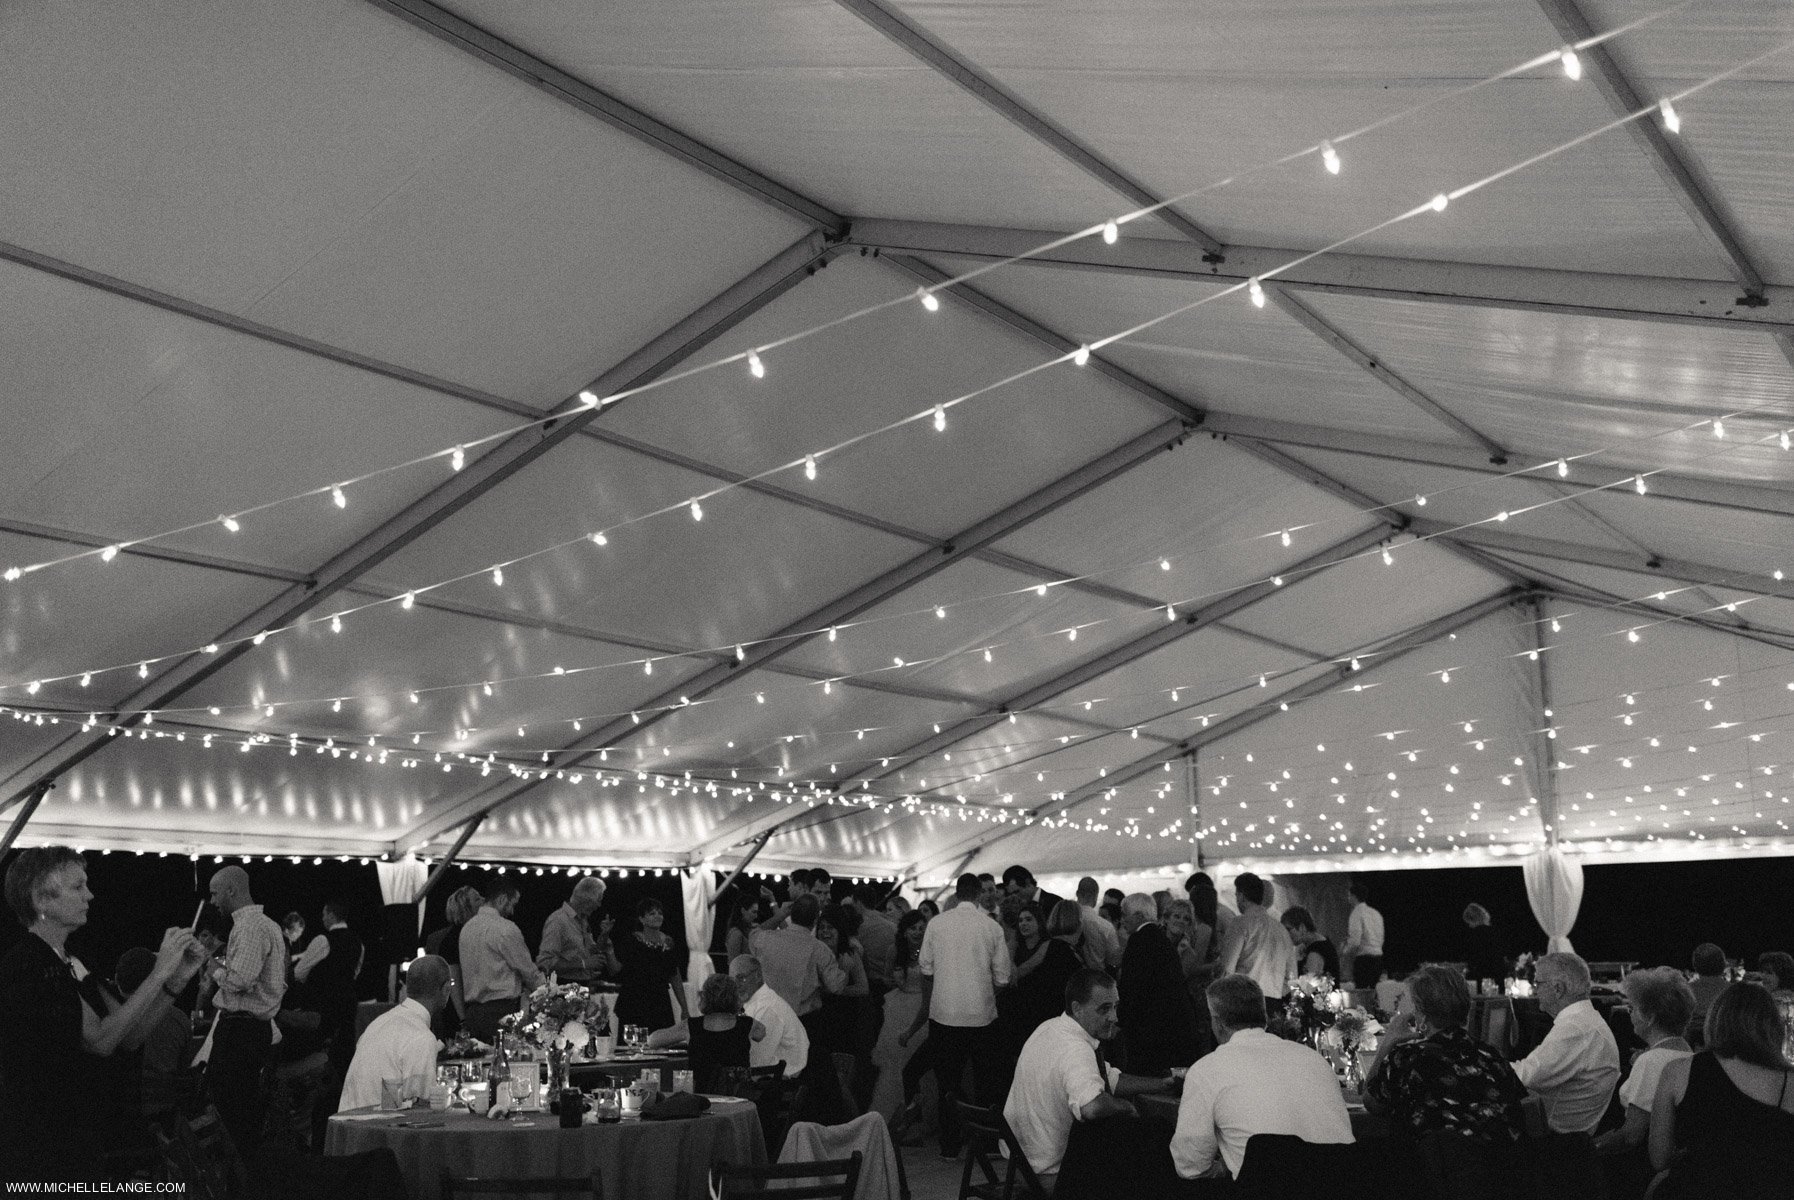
<point>522,1085</point>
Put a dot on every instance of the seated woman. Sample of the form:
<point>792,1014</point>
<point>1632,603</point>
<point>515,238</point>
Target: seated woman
<point>1661,1004</point>
<point>1723,1120</point>
<point>717,1040</point>
<point>1431,1076</point>
<point>1315,952</point>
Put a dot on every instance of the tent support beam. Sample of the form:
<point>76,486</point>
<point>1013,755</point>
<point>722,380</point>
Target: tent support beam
<point>575,92</point>
<point>776,645</point>
<point>448,860</point>
<point>1671,159</point>
<point>1389,650</point>
<point>717,316</point>
<point>1544,759</point>
<point>1005,103</point>
<point>1681,570</point>
<point>1707,302</point>
<point>19,821</point>
<point>1098,665</point>
<point>723,890</point>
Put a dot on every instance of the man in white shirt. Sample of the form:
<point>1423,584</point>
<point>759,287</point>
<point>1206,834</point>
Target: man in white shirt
<point>1256,944</point>
<point>1364,938</point>
<point>496,968</point>
<point>1255,1082</point>
<point>1061,1077</point>
<point>964,960</point>
<point>785,1039</point>
<point>1101,945</point>
<point>1575,1068</point>
<point>398,1043</point>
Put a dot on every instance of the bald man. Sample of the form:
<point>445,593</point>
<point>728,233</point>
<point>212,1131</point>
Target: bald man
<point>785,1040</point>
<point>569,951</point>
<point>398,1044</point>
<point>250,977</point>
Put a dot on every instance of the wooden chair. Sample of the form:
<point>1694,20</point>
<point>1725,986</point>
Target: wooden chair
<point>199,1153</point>
<point>462,1185</point>
<point>987,1131</point>
<point>834,1179</point>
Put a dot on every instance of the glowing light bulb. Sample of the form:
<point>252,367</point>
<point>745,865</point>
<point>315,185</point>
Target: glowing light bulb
<point>1445,677</point>
<point>1718,428</point>
<point>929,300</point>
<point>831,633</point>
<point>1256,290</point>
<point>940,418</point>
<point>1638,484</point>
<point>940,612</point>
<point>740,654</point>
<point>487,688</point>
<point>1672,121</point>
<point>498,576</point>
<point>755,367</point>
<point>809,466</point>
<point>1171,612</point>
<point>336,624</point>
<point>697,511</point>
<point>1081,356</point>
<point>987,655</point>
<point>86,678</point>
<point>1041,590</point>
<point>1330,158</point>
<point>457,458</point>
<point>1284,535</point>
<point>598,539</point>
<point>1388,558</point>
<point>109,553</point>
<point>1438,203</point>
<point>143,670</point>
<point>411,696</point>
<point>1785,440</point>
<point>337,498</point>
<point>231,524</point>
<point>759,697</point>
<point>1631,635</point>
<point>1276,581</point>
<point>589,399</point>
<point>1556,625</point>
<point>1572,64</point>
<point>259,638</point>
<point>408,599</point>
<point>1420,501</point>
<point>1071,635</point>
<point>647,666</point>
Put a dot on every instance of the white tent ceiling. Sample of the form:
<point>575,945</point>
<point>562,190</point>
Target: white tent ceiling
<point>251,250</point>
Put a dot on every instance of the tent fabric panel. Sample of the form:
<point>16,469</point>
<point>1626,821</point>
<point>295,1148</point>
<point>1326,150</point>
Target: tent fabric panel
<point>1750,543</point>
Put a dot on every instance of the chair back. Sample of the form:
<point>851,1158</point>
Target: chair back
<point>834,1179</point>
<point>1281,1164</point>
<point>198,1152</point>
<point>564,1185</point>
<point>987,1134</point>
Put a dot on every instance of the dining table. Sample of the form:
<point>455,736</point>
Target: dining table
<point>634,1159</point>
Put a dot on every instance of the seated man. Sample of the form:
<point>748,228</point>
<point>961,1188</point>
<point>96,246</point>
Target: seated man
<point>1254,1082</point>
<point>399,1044</point>
<point>1061,1078</point>
<point>1575,1068</point>
<point>784,1039</point>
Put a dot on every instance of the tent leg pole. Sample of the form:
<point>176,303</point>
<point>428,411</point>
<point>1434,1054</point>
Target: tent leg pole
<point>30,806</point>
<point>759,845</point>
<point>449,859</point>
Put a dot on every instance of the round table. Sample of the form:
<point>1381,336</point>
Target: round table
<point>635,1159</point>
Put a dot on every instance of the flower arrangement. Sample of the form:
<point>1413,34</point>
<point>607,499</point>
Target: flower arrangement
<point>1354,1025</point>
<point>560,1017</point>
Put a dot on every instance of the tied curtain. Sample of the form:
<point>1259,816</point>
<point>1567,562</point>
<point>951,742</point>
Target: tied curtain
<point>697,888</point>
<point>401,881</point>
<point>1554,889</point>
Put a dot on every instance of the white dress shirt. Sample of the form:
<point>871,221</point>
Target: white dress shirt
<point>785,1040</point>
<point>1256,944</point>
<point>1364,931</point>
<point>1574,1069</point>
<point>1255,1083</point>
<point>398,1044</point>
<point>1055,1078</point>
<point>1101,947</point>
<point>964,952</point>
<point>1640,1087</point>
<point>495,962</point>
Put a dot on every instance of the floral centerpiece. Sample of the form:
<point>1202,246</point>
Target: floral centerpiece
<point>559,1018</point>
<point>1352,1026</point>
<point>1307,1009</point>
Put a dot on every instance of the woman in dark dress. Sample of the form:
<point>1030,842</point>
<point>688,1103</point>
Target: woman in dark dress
<point>650,968</point>
<point>717,1041</point>
<point>1723,1121</point>
<point>1315,952</point>
<point>1041,979</point>
<point>446,942</point>
<point>58,1024</point>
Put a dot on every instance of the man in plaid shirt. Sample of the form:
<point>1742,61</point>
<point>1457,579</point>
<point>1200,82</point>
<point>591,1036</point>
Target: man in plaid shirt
<point>251,977</point>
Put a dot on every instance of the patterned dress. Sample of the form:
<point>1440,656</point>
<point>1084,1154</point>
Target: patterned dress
<point>1449,1081</point>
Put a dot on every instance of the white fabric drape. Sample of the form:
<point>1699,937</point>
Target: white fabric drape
<point>1554,889</point>
<point>697,887</point>
<point>401,881</point>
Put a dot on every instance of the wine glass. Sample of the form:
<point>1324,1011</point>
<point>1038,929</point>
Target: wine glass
<point>522,1086</point>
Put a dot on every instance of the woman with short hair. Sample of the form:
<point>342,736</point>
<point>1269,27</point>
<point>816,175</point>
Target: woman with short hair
<point>1723,1120</point>
<point>1315,952</point>
<point>1431,1076</point>
<point>1661,1004</point>
<point>717,1039</point>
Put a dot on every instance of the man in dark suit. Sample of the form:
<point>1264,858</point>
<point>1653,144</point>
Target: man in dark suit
<point>1158,1022</point>
<point>1018,880</point>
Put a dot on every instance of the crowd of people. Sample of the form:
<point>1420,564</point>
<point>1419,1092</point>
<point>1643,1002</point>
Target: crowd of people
<point>1061,1013</point>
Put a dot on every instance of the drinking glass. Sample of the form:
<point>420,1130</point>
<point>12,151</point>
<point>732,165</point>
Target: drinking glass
<point>523,1089</point>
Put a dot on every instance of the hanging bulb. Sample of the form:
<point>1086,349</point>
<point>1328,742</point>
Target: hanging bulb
<point>1420,500</point>
<point>987,657</point>
<point>457,458</point>
<point>1356,665</point>
<point>1081,356</point>
<point>86,679</point>
<point>589,399</point>
<point>1557,626</point>
<point>929,300</point>
<point>1263,683</point>
<point>740,654</point>
<point>1672,121</point>
<point>487,688</point>
<point>1388,558</point>
<point>408,599</point>
<point>1255,290</point>
<point>755,366</point>
<point>230,523</point>
<point>1438,203</point>
<point>337,498</point>
<point>1164,564</point>
<point>1111,231</point>
<point>1284,535</point>
<point>336,706</point>
<point>1445,677</point>
<point>143,670</point>
<point>1071,635</point>
<point>1330,158</point>
<point>1276,581</point>
<point>759,697</point>
<point>336,624</point>
<point>940,418</point>
<point>1786,441</point>
<point>697,511</point>
<point>1638,484</point>
<point>1718,428</point>
<point>809,466</point>
<point>498,576</point>
<point>1171,612</point>
<point>1572,64</point>
<point>647,666</point>
<point>598,539</point>
<point>831,633</point>
<point>109,553</point>
<point>411,696</point>
<point>1631,635</point>
<point>259,638</point>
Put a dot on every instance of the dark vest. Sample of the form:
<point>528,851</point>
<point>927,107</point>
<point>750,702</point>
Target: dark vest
<point>333,980</point>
